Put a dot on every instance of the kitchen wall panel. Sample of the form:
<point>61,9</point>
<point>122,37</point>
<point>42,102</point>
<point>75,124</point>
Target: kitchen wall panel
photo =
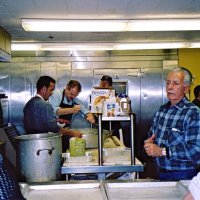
<point>32,73</point>
<point>151,99</point>
<point>49,69</point>
<point>17,91</point>
<point>85,77</point>
<point>4,78</point>
<point>63,71</point>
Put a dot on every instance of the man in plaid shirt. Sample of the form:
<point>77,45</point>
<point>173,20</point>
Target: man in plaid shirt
<point>174,137</point>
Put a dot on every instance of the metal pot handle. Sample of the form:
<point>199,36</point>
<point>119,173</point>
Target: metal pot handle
<point>49,151</point>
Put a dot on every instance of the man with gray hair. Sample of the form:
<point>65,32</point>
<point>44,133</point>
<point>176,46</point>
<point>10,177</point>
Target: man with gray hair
<point>174,137</point>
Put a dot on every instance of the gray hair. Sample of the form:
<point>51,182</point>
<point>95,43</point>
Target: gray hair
<point>188,75</point>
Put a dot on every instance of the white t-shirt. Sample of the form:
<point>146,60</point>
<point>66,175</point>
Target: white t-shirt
<point>194,187</point>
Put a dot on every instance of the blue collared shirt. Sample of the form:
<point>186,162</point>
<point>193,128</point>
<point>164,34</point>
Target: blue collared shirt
<point>178,129</point>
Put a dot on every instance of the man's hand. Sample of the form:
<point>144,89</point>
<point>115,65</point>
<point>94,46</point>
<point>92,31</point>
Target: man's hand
<point>151,148</point>
<point>76,109</point>
<point>76,133</point>
<point>63,121</point>
<point>90,118</point>
<point>72,133</point>
<point>188,196</point>
<point>151,139</point>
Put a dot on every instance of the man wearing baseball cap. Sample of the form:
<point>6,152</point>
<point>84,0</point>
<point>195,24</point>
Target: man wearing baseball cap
<point>106,82</point>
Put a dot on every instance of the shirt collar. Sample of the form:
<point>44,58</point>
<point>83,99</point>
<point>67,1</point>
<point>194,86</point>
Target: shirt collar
<point>38,95</point>
<point>179,105</point>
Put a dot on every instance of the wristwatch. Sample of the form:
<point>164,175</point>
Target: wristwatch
<point>164,152</point>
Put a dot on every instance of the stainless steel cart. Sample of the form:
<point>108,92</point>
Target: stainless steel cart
<point>102,169</point>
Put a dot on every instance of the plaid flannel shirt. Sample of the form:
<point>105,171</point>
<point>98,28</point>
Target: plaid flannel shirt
<point>177,128</point>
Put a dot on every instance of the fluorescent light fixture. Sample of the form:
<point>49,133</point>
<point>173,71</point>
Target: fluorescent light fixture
<point>62,25</point>
<point>100,46</point>
<point>25,47</point>
<point>165,25</point>
<point>156,45</point>
<point>60,46</point>
<point>74,25</point>
<point>76,46</point>
<point>194,45</point>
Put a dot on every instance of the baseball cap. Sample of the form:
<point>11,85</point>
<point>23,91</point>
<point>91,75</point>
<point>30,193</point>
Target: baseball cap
<point>107,78</point>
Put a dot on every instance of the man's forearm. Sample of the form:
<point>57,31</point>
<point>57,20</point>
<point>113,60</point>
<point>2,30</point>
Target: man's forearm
<point>64,131</point>
<point>64,111</point>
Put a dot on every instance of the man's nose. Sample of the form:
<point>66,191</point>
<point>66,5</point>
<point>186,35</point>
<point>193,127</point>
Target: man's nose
<point>170,85</point>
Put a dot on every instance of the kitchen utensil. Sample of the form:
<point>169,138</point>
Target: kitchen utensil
<point>39,157</point>
<point>113,139</point>
<point>93,124</point>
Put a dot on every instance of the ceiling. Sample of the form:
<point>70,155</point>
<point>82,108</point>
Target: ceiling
<point>11,12</point>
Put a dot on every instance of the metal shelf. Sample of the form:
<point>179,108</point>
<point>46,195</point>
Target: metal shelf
<point>102,169</point>
<point>119,118</point>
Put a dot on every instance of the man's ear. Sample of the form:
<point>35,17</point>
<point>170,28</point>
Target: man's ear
<point>67,88</point>
<point>187,89</point>
<point>44,89</point>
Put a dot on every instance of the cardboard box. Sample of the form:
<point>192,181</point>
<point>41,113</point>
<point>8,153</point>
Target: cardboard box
<point>97,98</point>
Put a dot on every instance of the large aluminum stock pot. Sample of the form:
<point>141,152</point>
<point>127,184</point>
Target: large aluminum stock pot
<point>39,157</point>
<point>91,136</point>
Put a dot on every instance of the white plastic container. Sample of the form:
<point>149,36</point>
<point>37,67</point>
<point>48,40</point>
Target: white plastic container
<point>110,108</point>
<point>125,105</point>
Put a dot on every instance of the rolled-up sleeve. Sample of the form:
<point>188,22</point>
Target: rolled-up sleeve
<point>84,108</point>
<point>55,100</point>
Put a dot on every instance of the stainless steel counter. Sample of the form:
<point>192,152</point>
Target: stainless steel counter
<point>146,190</point>
<point>101,190</point>
<point>63,191</point>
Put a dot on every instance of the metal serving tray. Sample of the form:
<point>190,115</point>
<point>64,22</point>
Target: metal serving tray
<point>63,191</point>
<point>146,190</point>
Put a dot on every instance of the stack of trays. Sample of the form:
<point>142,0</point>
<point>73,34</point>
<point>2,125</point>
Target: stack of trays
<point>119,155</point>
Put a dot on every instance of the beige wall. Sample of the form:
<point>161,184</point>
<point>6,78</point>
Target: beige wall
<point>5,41</point>
<point>190,58</point>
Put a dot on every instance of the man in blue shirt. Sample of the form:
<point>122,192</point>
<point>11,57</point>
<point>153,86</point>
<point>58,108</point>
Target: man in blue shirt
<point>38,112</point>
<point>174,137</point>
<point>65,103</point>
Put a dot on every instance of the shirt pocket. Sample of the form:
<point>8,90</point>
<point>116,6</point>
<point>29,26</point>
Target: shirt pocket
<point>175,136</point>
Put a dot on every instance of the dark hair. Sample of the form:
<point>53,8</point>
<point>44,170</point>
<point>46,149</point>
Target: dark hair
<point>107,78</point>
<point>197,91</point>
<point>74,83</point>
<point>44,81</point>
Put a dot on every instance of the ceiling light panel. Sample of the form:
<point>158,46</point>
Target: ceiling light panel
<point>101,46</point>
<point>74,25</point>
<point>54,25</point>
